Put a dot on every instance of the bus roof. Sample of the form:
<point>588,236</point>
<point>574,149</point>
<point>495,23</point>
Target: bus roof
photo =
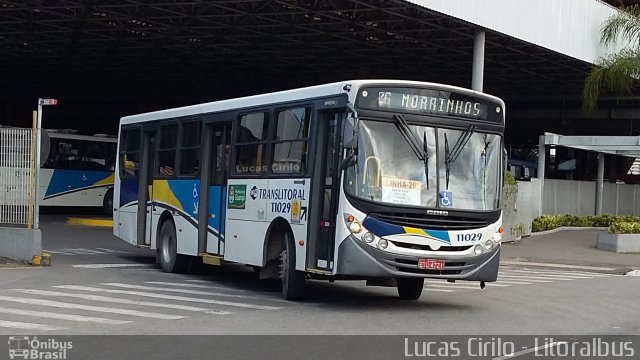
<point>64,135</point>
<point>286,96</point>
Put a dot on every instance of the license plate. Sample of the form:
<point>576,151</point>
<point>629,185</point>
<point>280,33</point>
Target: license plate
<point>430,264</point>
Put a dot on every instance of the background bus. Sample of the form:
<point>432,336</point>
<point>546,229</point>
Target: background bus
<point>387,181</point>
<point>77,170</point>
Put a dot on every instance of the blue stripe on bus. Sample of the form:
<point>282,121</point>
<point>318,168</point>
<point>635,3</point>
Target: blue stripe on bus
<point>68,180</point>
<point>128,191</point>
<point>216,209</point>
<point>381,228</point>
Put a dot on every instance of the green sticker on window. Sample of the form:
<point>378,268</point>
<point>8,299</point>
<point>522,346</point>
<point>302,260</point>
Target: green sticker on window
<point>237,196</point>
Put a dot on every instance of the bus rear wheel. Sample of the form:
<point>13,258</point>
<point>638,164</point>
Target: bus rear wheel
<point>410,288</point>
<point>107,203</point>
<point>292,279</point>
<point>170,260</point>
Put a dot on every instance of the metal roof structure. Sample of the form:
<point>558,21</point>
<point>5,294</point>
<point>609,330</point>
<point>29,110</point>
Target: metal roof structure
<point>615,145</point>
<point>226,48</point>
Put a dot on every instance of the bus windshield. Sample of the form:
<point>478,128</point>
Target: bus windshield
<point>456,169</point>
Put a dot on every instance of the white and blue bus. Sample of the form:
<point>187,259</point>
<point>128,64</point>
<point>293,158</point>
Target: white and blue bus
<point>77,170</point>
<point>386,181</point>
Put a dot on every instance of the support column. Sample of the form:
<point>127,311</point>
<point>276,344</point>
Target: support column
<point>542,156</point>
<point>600,184</point>
<point>477,76</point>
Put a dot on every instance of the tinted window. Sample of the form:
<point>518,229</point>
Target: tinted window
<point>73,154</point>
<point>290,142</point>
<point>250,148</point>
<point>253,127</point>
<point>190,148</point>
<point>191,134</point>
<point>130,152</point>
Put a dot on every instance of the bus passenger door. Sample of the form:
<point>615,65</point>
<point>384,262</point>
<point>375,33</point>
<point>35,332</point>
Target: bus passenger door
<point>149,233</point>
<point>213,190</point>
<point>144,188</point>
<point>325,192</point>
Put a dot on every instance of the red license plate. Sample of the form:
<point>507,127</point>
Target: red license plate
<point>430,264</point>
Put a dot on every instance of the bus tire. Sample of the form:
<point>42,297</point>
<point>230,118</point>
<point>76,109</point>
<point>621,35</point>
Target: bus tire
<point>107,202</point>
<point>170,260</point>
<point>292,279</point>
<point>410,288</point>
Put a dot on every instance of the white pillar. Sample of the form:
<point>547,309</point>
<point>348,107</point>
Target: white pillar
<point>477,76</point>
<point>542,156</point>
<point>36,198</point>
<point>600,184</point>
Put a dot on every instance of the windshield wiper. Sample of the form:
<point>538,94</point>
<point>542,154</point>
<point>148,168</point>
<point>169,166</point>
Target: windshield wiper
<point>421,152</point>
<point>452,156</point>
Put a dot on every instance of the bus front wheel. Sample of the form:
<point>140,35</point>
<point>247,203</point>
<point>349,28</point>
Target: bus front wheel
<point>170,260</point>
<point>410,288</point>
<point>292,279</point>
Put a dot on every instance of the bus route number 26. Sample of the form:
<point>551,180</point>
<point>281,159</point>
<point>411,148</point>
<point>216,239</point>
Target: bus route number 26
<point>469,237</point>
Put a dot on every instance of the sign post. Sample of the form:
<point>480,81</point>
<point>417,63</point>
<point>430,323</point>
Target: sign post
<point>36,198</point>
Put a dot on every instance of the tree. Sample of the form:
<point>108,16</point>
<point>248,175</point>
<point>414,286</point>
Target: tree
<point>617,72</point>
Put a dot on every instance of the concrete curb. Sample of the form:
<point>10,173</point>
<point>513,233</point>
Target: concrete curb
<point>90,222</point>
<point>571,228</point>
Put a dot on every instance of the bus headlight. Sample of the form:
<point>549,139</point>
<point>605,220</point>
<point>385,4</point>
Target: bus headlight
<point>368,237</point>
<point>478,249</point>
<point>354,225</point>
<point>497,238</point>
<point>382,244</point>
<point>488,245</point>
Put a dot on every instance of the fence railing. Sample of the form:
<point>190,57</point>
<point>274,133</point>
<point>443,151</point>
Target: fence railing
<point>16,176</point>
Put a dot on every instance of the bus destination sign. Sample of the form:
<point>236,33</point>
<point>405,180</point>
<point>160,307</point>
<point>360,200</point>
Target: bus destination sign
<point>429,101</point>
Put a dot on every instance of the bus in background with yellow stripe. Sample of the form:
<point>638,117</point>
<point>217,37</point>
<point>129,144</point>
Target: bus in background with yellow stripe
<point>387,181</point>
<point>77,170</point>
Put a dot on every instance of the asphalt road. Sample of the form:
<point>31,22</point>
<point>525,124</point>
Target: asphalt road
<point>83,292</point>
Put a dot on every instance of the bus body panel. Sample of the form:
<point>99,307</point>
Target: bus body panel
<point>74,187</point>
<point>125,217</point>
<point>216,219</point>
<point>252,205</point>
<point>179,197</point>
<point>245,241</point>
<point>186,235</point>
<point>77,170</point>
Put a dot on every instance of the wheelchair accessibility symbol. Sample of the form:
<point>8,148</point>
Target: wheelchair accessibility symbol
<point>445,198</point>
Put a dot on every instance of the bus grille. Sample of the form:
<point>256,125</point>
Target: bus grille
<point>431,222</point>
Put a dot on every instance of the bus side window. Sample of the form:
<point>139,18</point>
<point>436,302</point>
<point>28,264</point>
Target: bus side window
<point>290,142</point>
<point>167,150</point>
<point>251,138</point>
<point>130,152</point>
<point>190,148</point>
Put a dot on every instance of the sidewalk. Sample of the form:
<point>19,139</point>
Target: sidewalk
<point>568,248</point>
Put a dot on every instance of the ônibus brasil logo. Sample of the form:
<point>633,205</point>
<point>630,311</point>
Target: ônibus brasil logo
<point>26,347</point>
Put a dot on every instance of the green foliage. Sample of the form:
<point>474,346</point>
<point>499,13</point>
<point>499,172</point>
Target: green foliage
<point>509,179</point>
<point>625,227</point>
<point>617,72</point>
<point>549,222</point>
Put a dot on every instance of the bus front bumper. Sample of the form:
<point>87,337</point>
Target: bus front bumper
<point>358,259</point>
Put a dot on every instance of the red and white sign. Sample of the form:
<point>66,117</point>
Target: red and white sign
<point>48,102</point>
